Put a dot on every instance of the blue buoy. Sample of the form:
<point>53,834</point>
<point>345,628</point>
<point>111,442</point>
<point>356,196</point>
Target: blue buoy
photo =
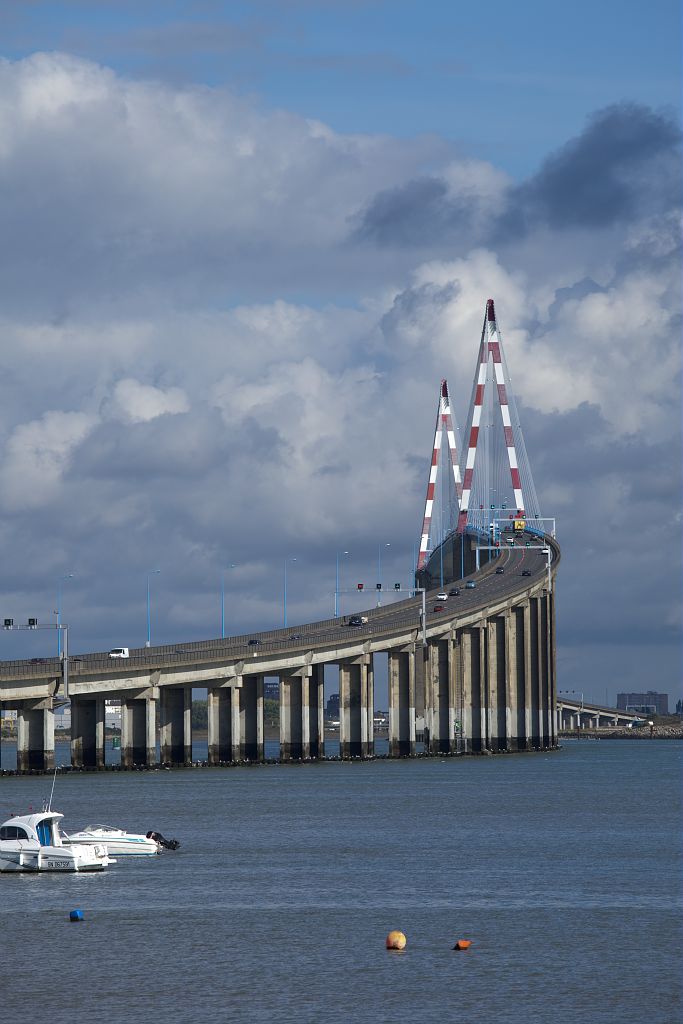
<point>76,915</point>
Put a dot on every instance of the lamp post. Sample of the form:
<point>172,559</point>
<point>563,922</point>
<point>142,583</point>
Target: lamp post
<point>336,584</point>
<point>284,591</point>
<point>232,566</point>
<point>379,571</point>
<point>152,572</point>
<point>67,576</point>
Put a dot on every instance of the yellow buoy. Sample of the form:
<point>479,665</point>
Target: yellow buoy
<point>396,940</point>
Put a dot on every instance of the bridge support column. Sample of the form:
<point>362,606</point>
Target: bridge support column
<point>223,721</point>
<point>316,707</point>
<point>496,675</point>
<point>537,731</point>
<point>251,719</point>
<point>440,710</point>
<point>87,732</point>
<point>516,679</point>
<point>402,703</point>
<point>549,669</point>
<point>472,667</point>
<point>356,708</point>
<point>292,718</point>
<point>368,695</point>
<point>138,731</point>
<point>175,725</point>
<point>35,736</point>
<point>526,662</point>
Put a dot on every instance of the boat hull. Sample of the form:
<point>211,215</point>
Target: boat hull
<point>47,858</point>
<point>117,842</point>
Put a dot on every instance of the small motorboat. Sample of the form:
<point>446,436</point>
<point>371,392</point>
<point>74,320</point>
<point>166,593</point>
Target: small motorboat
<point>118,842</point>
<point>33,842</point>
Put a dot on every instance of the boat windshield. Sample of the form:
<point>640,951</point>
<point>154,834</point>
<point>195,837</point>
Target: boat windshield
<point>44,830</point>
<point>100,828</point>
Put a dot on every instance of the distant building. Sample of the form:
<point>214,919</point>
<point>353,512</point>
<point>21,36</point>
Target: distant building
<point>271,689</point>
<point>332,708</point>
<point>679,707</point>
<point>650,703</point>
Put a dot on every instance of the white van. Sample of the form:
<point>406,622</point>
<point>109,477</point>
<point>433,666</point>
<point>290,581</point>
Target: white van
<point>119,652</point>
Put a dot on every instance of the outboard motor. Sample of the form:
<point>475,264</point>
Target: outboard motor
<point>168,844</point>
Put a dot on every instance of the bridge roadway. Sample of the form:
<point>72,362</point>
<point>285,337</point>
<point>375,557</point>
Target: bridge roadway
<point>484,681</point>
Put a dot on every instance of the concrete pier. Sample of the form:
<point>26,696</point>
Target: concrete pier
<point>356,707</point>
<point>87,732</point>
<point>35,736</point>
<point>316,709</point>
<point>439,699</point>
<point>402,702</point>
<point>175,725</point>
<point>223,731</point>
<point>235,720</point>
<point>250,698</point>
<point>138,730</point>
<point>294,719</point>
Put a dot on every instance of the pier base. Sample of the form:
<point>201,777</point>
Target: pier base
<point>87,732</point>
<point>35,736</point>
<point>175,725</point>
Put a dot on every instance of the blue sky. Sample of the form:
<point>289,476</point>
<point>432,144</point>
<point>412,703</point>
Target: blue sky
<point>504,81</point>
<point>242,244</point>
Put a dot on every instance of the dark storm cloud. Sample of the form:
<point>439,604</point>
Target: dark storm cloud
<point>625,159</point>
<point>414,214</point>
<point>626,162</point>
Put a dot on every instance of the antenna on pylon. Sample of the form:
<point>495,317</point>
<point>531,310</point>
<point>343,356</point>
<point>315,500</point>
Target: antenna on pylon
<point>444,422</point>
<point>504,481</point>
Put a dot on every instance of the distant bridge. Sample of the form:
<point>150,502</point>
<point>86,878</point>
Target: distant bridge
<point>480,667</point>
<point>573,714</point>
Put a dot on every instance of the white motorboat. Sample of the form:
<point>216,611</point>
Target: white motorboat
<point>33,842</point>
<point>118,842</point>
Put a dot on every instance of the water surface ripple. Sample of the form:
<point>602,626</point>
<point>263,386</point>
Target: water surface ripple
<point>564,870</point>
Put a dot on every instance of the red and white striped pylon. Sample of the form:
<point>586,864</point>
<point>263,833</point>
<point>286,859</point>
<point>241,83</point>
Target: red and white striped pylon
<point>490,348</point>
<point>444,422</point>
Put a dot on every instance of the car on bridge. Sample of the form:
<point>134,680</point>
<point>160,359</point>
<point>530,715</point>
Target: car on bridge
<point>443,596</point>
<point>500,570</point>
<point>254,642</point>
<point>438,608</point>
<point>470,585</point>
<point>357,620</point>
<point>526,572</point>
<point>119,652</point>
<point>454,592</point>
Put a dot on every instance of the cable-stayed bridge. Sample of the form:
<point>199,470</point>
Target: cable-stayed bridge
<point>471,650</point>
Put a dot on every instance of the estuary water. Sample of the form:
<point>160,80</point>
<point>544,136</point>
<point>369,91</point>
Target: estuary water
<point>563,869</point>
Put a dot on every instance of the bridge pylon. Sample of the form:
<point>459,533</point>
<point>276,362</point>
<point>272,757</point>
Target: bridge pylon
<point>496,470</point>
<point>445,424</point>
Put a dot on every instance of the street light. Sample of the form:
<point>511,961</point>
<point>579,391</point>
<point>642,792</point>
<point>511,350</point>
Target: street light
<point>336,584</point>
<point>284,591</point>
<point>379,571</point>
<point>232,566</point>
<point>152,572</point>
<point>67,576</point>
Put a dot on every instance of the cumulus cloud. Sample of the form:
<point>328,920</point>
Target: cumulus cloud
<point>139,403</point>
<point>37,455</point>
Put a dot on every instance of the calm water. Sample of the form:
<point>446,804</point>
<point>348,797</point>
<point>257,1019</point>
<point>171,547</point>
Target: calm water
<point>564,870</point>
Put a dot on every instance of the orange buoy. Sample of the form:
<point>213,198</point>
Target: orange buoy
<point>463,944</point>
<point>396,940</point>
